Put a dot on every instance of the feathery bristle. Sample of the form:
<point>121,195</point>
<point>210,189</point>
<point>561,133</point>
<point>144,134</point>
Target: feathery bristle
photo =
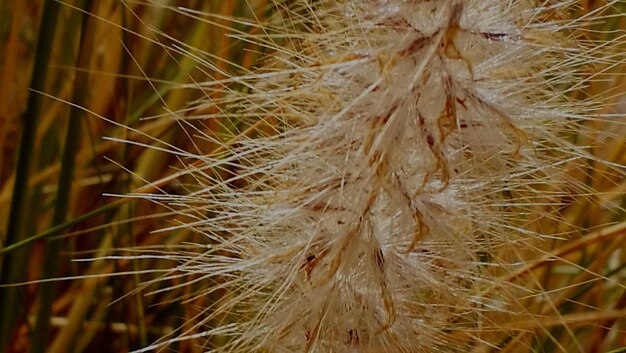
<point>387,205</point>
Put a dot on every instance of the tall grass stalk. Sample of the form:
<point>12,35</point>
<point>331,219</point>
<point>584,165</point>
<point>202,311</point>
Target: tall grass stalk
<point>47,291</point>
<point>14,264</point>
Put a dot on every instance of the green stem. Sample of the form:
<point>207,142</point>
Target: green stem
<point>13,264</point>
<point>61,227</point>
<point>47,290</point>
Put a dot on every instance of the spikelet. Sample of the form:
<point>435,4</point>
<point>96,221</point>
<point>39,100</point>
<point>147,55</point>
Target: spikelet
<point>384,211</point>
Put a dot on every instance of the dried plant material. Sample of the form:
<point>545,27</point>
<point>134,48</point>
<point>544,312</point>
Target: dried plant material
<point>384,204</point>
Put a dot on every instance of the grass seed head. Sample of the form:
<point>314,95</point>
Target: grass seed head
<point>386,204</point>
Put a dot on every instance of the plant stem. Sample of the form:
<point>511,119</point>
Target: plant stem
<point>51,259</point>
<point>13,264</point>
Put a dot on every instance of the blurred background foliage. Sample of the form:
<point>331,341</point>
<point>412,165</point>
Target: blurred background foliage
<point>127,61</point>
<point>119,69</point>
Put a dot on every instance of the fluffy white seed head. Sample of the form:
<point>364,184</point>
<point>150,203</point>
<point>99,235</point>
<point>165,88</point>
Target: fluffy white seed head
<point>384,210</point>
